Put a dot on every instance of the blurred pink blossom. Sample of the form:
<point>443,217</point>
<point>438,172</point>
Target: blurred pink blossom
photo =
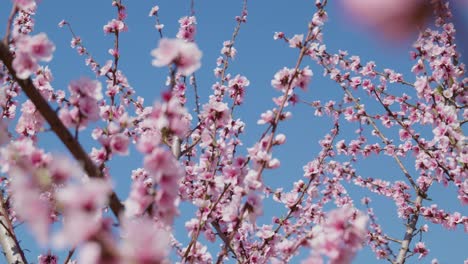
<point>395,19</point>
<point>185,55</point>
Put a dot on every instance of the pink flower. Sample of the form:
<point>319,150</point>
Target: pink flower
<point>82,205</point>
<point>341,235</point>
<point>420,248</point>
<point>159,26</point>
<point>394,18</point>
<point>187,28</point>
<point>279,139</point>
<point>185,55</point>
<point>40,47</point>
<point>148,141</point>
<point>303,78</point>
<point>278,35</point>
<point>119,144</point>
<point>143,241</point>
<point>90,253</point>
<point>86,87</point>
<point>404,134</point>
<point>114,26</point>
<point>47,259</point>
<point>24,65</point>
<point>25,4</point>
<point>154,11</point>
<point>62,169</point>
<point>105,69</point>
<point>282,78</point>
<point>157,160</point>
<point>29,51</point>
<point>62,23</point>
<point>228,49</point>
<point>29,206</point>
<point>296,41</point>
<point>265,232</point>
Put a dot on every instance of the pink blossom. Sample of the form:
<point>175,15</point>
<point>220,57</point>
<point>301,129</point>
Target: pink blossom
<point>296,41</point>
<point>278,35</point>
<point>187,28</point>
<point>228,49</point>
<point>31,121</point>
<point>341,235</point>
<point>105,69</point>
<point>421,249</point>
<point>119,144</point>
<point>159,26</point>
<point>40,47</point>
<point>143,241</point>
<point>404,134</point>
<point>29,206</point>
<point>113,26</point>
<point>237,87</point>
<point>24,65</point>
<point>148,141</point>
<point>265,232</point>
<point>280,139</point>
<point>25,4</point>
<point>86,87</point>
<point>282,78</point>
<point>47,259</point>
<point>185,55</point>
<point>62,23</point>
<point>154,11</point>
<point>82,205</point>
<point>394,18</point>
<point>141,194</point>
<point>90,253</point>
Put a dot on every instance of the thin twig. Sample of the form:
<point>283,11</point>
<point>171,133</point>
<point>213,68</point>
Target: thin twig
<point>70,254</point>
<point>14,11</point>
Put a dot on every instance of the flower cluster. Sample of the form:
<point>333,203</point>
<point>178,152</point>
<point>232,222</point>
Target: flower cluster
<point>340,236</point>
<point>83,103</point>
<point>187,29</point>
<point>30,50</point>
<point>184,55</point>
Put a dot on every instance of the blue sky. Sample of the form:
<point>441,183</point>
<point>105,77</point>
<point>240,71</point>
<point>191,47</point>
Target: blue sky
<point>258,58</point>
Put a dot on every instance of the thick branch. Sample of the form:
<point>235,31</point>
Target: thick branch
<point>57,126</point>
<point>409,234</point>
<point>11,248</point>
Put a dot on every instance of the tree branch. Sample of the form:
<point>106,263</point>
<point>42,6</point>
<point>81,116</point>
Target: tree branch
<point>57,126</point>
<point>410,228</point>
<point>11,248</point>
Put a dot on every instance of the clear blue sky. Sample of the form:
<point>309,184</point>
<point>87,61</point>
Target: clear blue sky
<point>258,58</point>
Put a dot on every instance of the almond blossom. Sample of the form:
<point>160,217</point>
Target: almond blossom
<point>185,55</point>
<point>30,51</point>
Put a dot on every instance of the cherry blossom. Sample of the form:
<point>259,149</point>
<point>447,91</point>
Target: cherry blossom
<point>405,16</point>
<point>30,51</point>
<point>25,4</point>
<point>185,55</point>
